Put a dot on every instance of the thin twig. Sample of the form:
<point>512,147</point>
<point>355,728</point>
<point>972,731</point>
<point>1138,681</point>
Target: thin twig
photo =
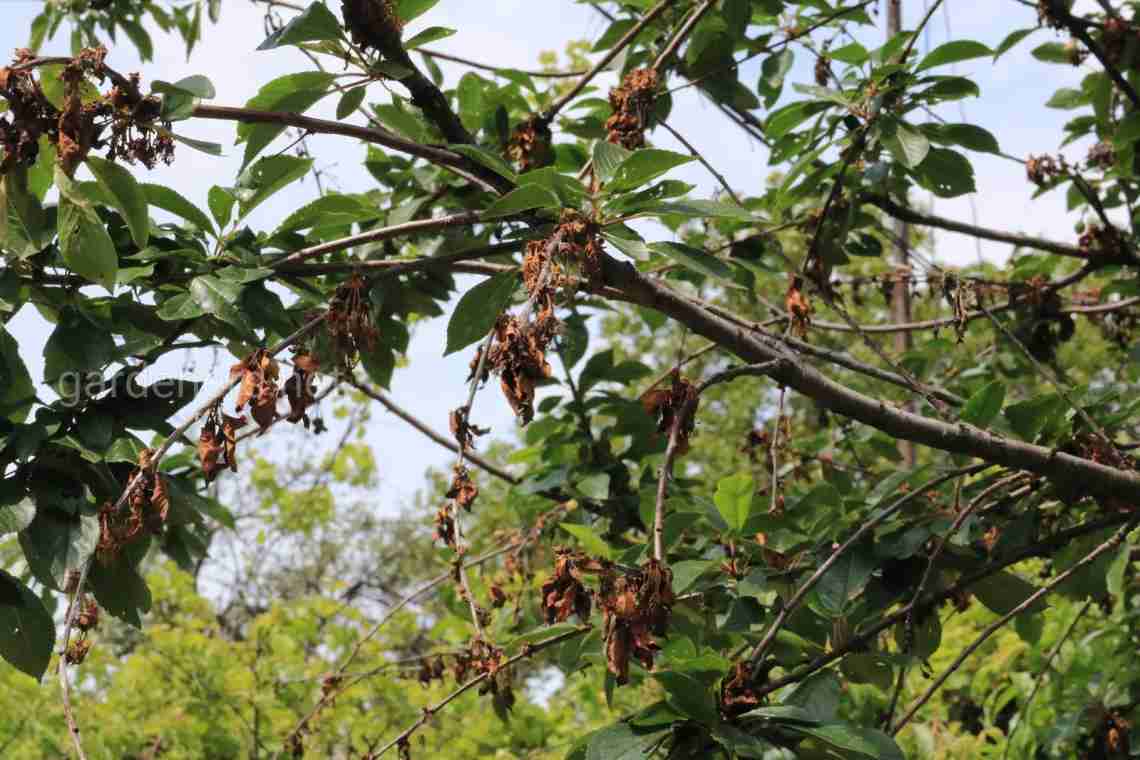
<point>383,233</point>
<point>682,34</point>
<point>1024,711</point>
<point>612,53</point>
<point>489,67</point>
<point>993,627</point>
<point>794,602</point>
<point>527,651</point>
<point>697,155</point>
<point>377,395</point>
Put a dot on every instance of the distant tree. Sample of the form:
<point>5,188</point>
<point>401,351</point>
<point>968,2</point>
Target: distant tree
<point>737,523</point>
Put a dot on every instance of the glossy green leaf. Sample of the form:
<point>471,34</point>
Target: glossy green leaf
<point>85,245</point>
<point>733,498</point>
<point>409,10</point>
<point>953,52</point>
<point>984,405</point>
<point>524,198</point>
<point>642,166</point>
<point>314,23</point>
<point>349,102</point>
<point>695,259</point>
<point>591,542</point>
<point>269,175</point>
<point>27,630</point>
<point>428,36</point>
<point>167,199</point>
<point>477,310</point>
<point>128,196</point>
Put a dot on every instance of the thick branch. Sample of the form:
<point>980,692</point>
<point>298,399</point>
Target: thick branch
<point>911,216</point>
<point>632,286</point>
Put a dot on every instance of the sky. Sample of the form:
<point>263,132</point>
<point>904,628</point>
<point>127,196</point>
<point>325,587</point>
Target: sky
<point>514,33</point>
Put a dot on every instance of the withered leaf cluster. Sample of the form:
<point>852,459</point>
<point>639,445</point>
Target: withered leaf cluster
<point>349,322</point>
<point>518,356</point>
<point>635,607</point>
<point>146,509</point>
<point>300,389</point>
<point>444,526</point>
<point>665,404</point>
<point>123,121</point>
<point>798,307</point>
<point>431,669</point>
<point>631,102</point>
<point>738,691</point>
<point>529,145</point>
<point>1041,170</point>
<point>259,374</point>
<point>563,593</point>
<point>465,432</point>
<point>462,488</point>
<point>217,443</point>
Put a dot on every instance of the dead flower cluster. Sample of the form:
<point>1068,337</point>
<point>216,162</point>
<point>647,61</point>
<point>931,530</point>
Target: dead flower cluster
<point>631,102</point>
<point>349,322</point>
<point>147,508</point>
<point>665,404</point>
<point>529,145</point>
<point>635,607</point>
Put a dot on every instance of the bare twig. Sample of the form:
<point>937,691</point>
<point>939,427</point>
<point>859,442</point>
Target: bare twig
<point>1108,545</point>
<point>793,603</point>
<point>682,34</point>
<point>612,53</point>
<point>1024,711</point>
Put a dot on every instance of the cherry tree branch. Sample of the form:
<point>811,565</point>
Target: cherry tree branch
<point>1108,545</point>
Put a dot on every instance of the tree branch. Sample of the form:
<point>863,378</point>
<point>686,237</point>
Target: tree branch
<point>630,285</point>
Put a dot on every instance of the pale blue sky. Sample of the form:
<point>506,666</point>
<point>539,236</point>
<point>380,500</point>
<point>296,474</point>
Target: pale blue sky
<point>514,32</point>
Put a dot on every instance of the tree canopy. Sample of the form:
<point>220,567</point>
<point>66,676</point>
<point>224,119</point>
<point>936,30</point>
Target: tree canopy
<point>784,483</point>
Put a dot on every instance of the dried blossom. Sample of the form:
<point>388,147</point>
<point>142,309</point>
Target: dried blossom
<point>738,692</point>
<point>563,592</point>
<point>462,488</point>
<point>1041,170</point>
<point>88,617</point>
<point>211,450</point>
<point>464,431</point>
<point>444,527</point>
<point>77,651</point>
<point>664,404</point>
<point>349,322</point>
<point>635,607</point>
<point>631,102</point>
<point>529,145</point>
<point>300,389</point>
<point>798,307</point>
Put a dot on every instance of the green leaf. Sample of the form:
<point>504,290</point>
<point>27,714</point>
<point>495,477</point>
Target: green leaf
<point>75,345</point>
<point>27,630</point>
<point>486,158</point>
<point>594,544</point>
<point>689,695</point>
<point>171,201</point>
<point>120,590</point>
<point>314,23</point>
<point>85,245</point>
<point>946,173</point>
<point>428,36</point>
<point>266,177</point>
<point>1012,39</point>
<point>196,85</point>
<point>349,102</point>
<point>202,146</point>
<point>293,93</point>
<point>221,202</point>
<point>477,310</point>
<point>1029,418</point>
<point>408,10</point>
<point>967,135</point>
<point>984,405</point>
<point>627,241</point>
<point>772,73</point>
<point>622,741</point>
<point>16,517</point>
<point>852,53</point>
<point>1002,592</point>
<point>596,486</point>
<point>1128,130</point>
<point>843,581</point>
<point>686,572</point>
<point>1067,98</point>
<point>607,158</point>
<point>128,197</point>
<point>695,259</point>
<point>331,210</point>
<point>852,741</point>
<point>520,199</point>
<point>17,394</point>
<point>55,543</point>
<point>1052,52</point>
<point>953,52</point>
<point>818,695</point>
<point>642,166</point>
<point>220,298</point>
<point>733,499</point>
<point>909,146</point>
